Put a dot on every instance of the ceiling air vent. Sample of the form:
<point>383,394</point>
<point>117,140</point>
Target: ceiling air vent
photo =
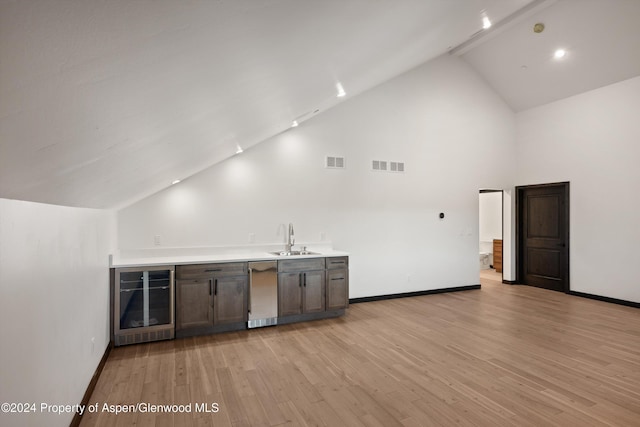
<point>332,162</point>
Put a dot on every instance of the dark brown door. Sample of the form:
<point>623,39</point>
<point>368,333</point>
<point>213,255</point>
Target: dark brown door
<point>289,294</point>
<point>543,236</point>
<point>230,300</point>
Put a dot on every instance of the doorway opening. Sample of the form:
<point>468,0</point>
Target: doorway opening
<point>542,236</point>
<point>491,231</point>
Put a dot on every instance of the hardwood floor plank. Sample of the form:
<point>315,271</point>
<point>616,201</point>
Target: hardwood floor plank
<point>266,398</point>
<point>232,402</point>
<point>499,356</point>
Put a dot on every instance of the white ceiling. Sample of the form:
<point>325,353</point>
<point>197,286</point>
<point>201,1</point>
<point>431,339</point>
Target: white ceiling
<point>601,37</point>
<point>105,102</point>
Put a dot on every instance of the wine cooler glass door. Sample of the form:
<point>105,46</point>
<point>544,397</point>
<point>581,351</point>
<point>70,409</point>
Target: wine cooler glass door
<point>145,299</point>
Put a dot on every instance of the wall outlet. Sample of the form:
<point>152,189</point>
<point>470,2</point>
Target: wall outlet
<point>93,345</point>
<point>252,237</point>
<point>156,240</point>
<point>323,236</point>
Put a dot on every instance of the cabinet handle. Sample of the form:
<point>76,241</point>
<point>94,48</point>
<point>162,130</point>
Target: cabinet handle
<point>337,278</point>
<point>215,286</point>
<point>213,270</point>
<point>300,279</point>
<point>210,286</point>
<point>305,279</point>
<point>250,289</point>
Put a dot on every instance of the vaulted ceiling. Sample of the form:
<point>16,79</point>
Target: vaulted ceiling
<point>601,39</point>
<point>105,102</point>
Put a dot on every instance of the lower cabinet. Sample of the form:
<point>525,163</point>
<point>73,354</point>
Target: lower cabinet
<point>194,303</point>
<point>214,297</point>
<point>211,298</point>
<point>229,300</point>
<point>289,294</point>
<point>301,286</point>
<point>337,283</point>
<point>313,295</point>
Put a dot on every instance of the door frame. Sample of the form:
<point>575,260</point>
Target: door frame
<point>519,227</point>
<point>501,222</point>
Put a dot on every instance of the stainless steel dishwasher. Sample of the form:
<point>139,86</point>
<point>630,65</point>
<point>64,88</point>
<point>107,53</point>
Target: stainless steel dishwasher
<point>263,294</point>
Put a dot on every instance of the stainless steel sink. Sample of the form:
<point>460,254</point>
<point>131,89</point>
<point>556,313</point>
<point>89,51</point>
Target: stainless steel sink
<point>293,253</point>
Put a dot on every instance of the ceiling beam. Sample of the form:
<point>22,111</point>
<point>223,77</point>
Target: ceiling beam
<point>483,35</point>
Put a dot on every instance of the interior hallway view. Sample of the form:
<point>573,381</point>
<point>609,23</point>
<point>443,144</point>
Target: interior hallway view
<point>503,355</point>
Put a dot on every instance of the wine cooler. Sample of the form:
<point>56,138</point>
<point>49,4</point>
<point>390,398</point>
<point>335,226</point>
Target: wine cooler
<point>143,304</point>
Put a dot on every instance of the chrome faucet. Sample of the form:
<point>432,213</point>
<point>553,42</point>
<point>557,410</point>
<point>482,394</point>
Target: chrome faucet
<point>291,239</point>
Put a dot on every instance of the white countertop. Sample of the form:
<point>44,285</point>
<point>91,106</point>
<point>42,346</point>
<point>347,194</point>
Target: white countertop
<point>179,256</point>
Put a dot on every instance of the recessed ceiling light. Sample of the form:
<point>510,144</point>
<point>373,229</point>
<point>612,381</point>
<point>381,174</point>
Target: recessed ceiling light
<point>239,150</point>
<point>560,53</point>
<point>175,182</point>
<point>340,90</point>
<point>486,22</point>
<point>294,124</point>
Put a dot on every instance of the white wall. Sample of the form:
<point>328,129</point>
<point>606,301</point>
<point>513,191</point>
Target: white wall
<point>54,298</point>
<point>592,140</point>
<point>508,238</point>
<point>490,211</point>
<point>454,134</point>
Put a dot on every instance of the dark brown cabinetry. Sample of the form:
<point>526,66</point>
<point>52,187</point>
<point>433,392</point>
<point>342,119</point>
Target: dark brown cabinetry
<point>214,297</point>
<point>289,294</point>
<point>301,286</point>
<point>194,302</point>
<point>497,255</point>
<point>313,295</point>
<point>230,299</point>
<point>210,298</point>
<point>337,287</point>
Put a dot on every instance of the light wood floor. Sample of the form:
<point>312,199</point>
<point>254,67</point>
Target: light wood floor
<point>500,356</point>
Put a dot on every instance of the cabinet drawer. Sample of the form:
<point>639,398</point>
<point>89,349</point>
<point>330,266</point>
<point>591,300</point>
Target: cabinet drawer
<point>292,265</point>
<point>194,271</point>
<point>337,262</point>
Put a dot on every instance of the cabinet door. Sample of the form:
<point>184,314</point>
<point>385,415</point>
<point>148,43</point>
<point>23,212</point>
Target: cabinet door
<point>289,293</point>
<point>230,299</point>
<point>337,289</point>
<point>194,300</point>
<point>313,283</point>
